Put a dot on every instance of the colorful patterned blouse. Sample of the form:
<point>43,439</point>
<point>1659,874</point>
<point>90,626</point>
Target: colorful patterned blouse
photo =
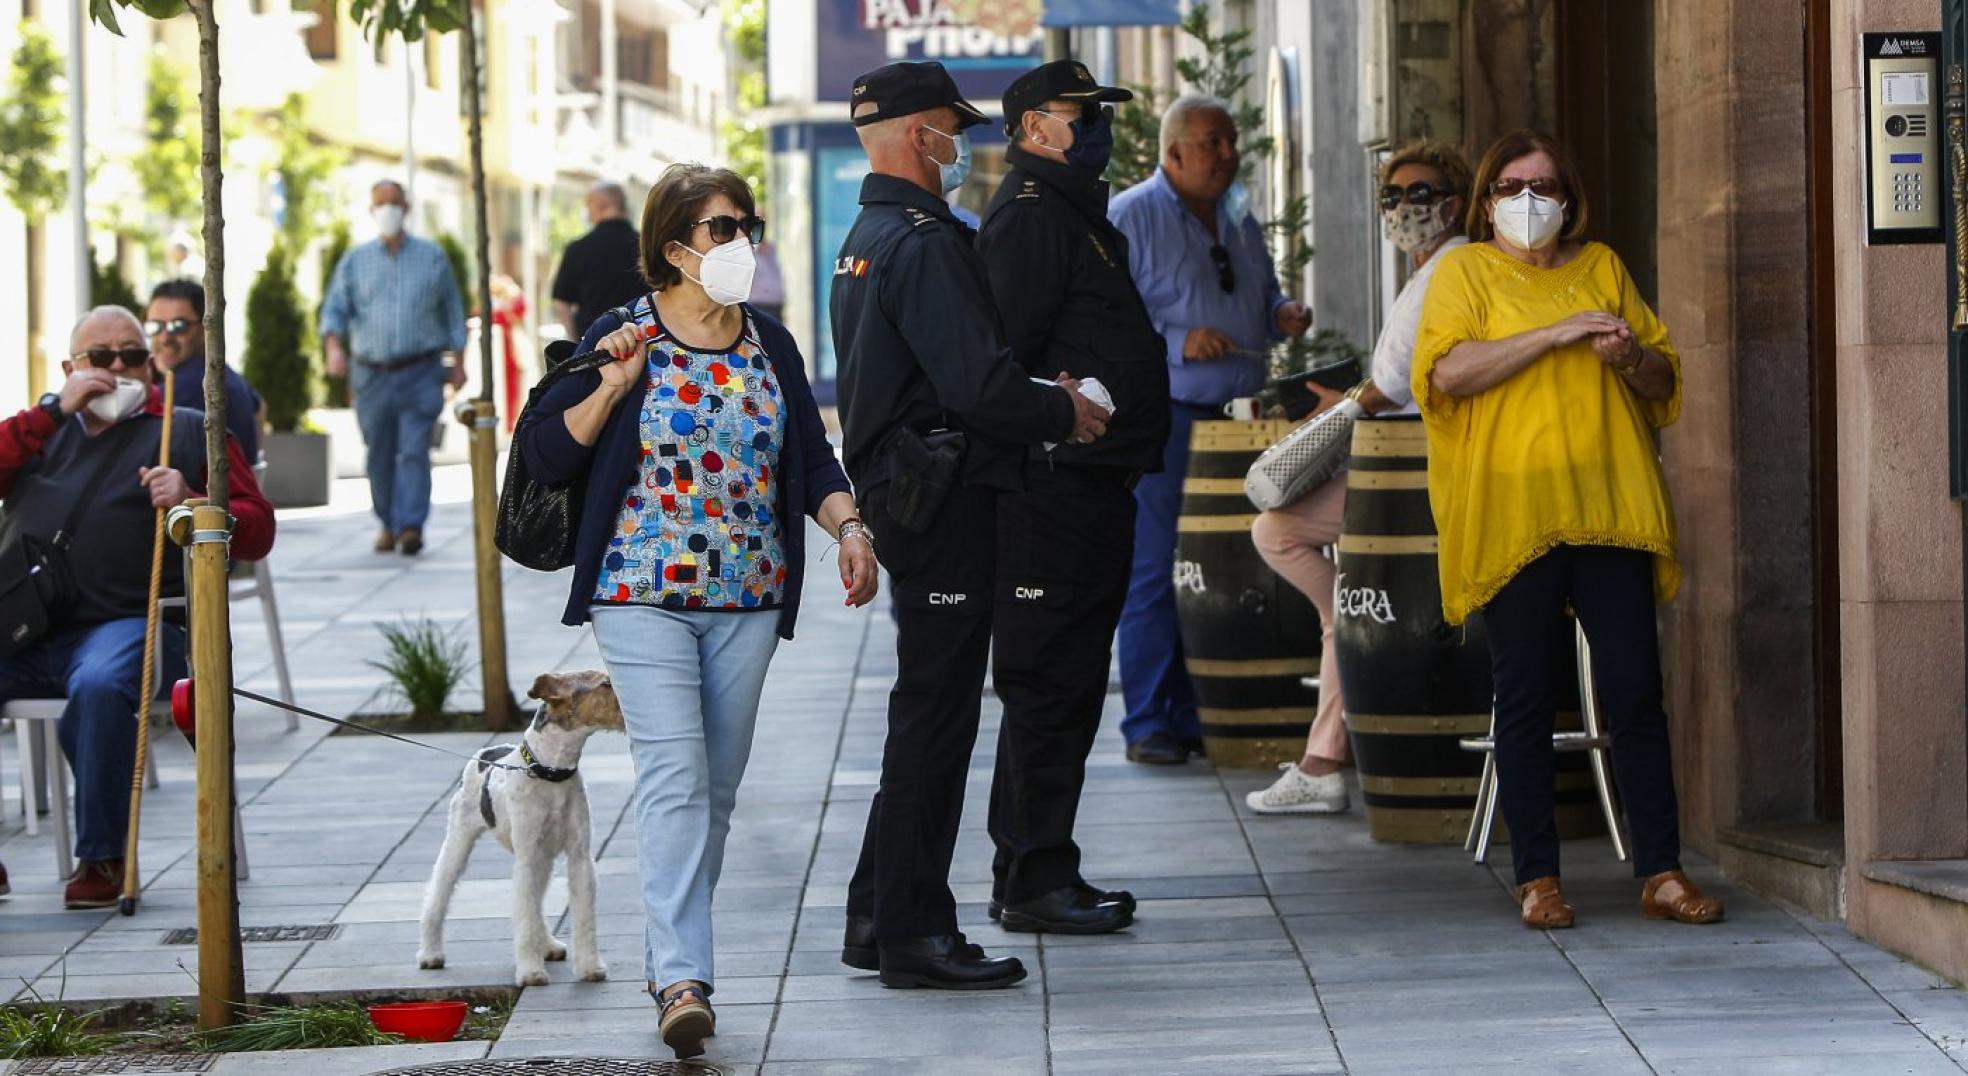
<point>697,530</point>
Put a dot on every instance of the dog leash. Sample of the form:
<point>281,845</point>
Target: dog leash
<point>318,716</point>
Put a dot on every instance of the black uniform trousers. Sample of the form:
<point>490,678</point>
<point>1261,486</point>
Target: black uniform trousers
<point>940,582</point>
<point>1065,548</point>
<point>1612,592</point>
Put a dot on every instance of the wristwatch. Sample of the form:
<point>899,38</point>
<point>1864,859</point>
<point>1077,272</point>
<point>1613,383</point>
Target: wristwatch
<point>51,403</point>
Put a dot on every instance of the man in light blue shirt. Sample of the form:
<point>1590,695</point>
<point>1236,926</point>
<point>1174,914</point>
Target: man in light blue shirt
<point>1200,261</point>
<point>391,314</point>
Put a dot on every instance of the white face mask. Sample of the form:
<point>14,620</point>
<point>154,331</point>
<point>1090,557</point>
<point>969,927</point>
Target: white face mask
<point>389,219</point>
<point>727,271</point>
<point>1415,227</point>
<point>125,400</point>
<point>1528,221</point>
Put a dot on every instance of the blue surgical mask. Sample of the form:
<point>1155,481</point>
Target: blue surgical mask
<point>952,175</point>
<point>1236,204</point>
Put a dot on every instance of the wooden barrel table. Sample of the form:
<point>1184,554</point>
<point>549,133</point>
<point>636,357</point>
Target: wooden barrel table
<point>1414,685</point>
<point>1248,638</point>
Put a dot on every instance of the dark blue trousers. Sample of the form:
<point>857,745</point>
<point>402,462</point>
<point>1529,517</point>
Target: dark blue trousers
<point>99,669</point>
<point>1154,683</point>
<point>1612,592</point>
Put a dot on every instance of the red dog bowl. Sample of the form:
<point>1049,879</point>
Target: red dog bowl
<point>426,1021</point>
<point>184,712</point>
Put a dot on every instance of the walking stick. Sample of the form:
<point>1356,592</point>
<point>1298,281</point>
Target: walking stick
<point>149,679</point>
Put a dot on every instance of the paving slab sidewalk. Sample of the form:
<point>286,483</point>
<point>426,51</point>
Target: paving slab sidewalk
<point>1264,945</point>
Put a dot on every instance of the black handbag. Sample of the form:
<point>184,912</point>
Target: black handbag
<point>37,585</point>
<point>536,519</point>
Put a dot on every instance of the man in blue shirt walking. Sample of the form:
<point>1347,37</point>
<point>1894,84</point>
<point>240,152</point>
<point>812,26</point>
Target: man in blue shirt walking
<point>1212,293</point>
<point>391,314</point>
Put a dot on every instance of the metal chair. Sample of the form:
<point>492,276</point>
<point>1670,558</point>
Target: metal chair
<point>44,770</point>
<point>1593,740</point>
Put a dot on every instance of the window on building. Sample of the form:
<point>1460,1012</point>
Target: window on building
<point>321,37</point>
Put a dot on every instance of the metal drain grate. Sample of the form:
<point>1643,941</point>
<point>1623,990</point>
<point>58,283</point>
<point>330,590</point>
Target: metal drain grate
<point>562,1066</point>
<point>110,1066</point>
<point>309,933</point>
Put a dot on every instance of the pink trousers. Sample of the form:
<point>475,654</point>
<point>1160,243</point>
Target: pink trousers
<point>1291,540</point>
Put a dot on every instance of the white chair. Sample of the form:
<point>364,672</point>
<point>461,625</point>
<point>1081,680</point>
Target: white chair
<point>1592,740</point>
<point>44,769</point>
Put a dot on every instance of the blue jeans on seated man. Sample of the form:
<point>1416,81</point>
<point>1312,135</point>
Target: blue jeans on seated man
<point>99,669</point>
<point>689,685</point>
<point>397,410</point>
<point>1154,684</point>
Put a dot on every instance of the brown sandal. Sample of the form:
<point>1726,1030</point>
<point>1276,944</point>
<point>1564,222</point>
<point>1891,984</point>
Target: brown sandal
<point>1544,907</point>
<point>686,1018</point>
<point>1670,895</point>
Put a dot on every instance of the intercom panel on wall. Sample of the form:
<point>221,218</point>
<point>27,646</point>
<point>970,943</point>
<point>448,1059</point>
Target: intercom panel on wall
<point>1903,137</point>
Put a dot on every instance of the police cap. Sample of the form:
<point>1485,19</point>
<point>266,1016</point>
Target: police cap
<point>906,88</point>
<point>1066,80</point>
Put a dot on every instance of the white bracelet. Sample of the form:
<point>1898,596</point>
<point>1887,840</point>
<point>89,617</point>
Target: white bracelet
<point>857,529</point>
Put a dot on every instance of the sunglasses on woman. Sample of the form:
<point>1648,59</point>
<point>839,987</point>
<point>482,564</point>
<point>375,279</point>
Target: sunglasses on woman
<point>1420,192</point>
<point>102,358</point>
<point>1542,186</point>
<point>725,228</point>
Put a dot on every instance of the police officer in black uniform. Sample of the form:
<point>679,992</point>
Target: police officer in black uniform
<point>1059,272</point>
<point>936,419</point>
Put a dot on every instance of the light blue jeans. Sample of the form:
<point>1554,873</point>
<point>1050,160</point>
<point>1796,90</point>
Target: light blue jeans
<point>689,685</point>
<point>397,410</point>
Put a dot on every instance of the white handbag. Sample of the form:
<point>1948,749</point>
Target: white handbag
<point>1306,459</point>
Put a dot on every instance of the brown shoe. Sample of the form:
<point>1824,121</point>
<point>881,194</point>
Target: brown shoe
<point>413,542</point>
<point>1670,895</point>
<point>1544,905</point>
<point>687,1019</point>
<point>385,542</point>
<point>4,887</point>
<point>97,883</point>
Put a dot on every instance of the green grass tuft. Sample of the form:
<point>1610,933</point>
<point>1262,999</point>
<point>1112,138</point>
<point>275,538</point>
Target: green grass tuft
<point>49,1031</point>
<point>426,663</point>
<point>304,1027</point>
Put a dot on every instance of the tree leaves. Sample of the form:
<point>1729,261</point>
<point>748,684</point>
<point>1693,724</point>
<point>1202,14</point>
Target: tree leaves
<point>408,19</point>
<point>31,120</point>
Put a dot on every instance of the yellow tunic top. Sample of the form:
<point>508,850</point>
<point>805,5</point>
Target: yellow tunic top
<point>1563,452</point>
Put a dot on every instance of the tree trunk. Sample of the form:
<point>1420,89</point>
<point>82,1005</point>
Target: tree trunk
<point>37,363</point>
<point>218,464</point>
<point>474,113</point>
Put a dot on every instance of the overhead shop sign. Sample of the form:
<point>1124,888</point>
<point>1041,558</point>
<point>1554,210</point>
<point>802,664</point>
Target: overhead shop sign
<point>984,43</point>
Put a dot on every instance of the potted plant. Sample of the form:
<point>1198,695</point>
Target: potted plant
<point>280,367</point>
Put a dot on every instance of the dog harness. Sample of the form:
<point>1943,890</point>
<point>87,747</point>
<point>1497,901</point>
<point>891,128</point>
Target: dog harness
<point>534,768</point>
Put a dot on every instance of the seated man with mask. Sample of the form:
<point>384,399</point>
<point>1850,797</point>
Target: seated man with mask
<point>90,450</point>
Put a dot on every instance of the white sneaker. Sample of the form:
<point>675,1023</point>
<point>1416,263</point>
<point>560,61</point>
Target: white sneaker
<point>1295,793</point>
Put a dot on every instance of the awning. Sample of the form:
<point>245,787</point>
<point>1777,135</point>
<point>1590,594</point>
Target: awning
<point>1060,14</point>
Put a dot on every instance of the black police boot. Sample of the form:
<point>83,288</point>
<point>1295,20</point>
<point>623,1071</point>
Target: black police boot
<point>858,949</point>
<point>1065,910</point>
<point>945,962</point>
<point>1195,747</point>
<point>1104,896</point>
<point>1157,749</point>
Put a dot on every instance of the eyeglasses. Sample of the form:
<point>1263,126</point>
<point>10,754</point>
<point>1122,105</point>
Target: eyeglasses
<point>725,228</point>
<point>1421,192</point>
<point>1542,186</point>
<point>173,327</point>
<point>102,358</point>
<point>1225,278</point>
<point>1090,111</point>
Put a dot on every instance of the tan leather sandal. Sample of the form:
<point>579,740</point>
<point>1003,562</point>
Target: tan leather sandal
<point>686,1018</point>
<point>1544,907</point>
<point>1670,895</point>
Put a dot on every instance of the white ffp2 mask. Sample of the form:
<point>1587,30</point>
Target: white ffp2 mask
<point>121,402</point>
<point>389,220</point>
<point>727,271</point>
<point>1528,221</point>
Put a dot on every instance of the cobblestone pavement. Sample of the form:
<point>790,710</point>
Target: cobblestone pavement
<point>1263,945</point>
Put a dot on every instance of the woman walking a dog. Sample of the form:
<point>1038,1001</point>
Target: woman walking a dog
<point>702,448</point>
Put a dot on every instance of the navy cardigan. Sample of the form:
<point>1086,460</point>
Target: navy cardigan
<point>808,471</point>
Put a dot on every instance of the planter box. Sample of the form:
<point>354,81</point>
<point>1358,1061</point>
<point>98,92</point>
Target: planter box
<point>298,471</point>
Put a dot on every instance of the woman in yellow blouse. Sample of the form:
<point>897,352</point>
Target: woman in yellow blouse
<point>1541,376</point>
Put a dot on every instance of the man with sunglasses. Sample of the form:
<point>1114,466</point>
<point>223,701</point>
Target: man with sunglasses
<point>1201,263</point>
<point>175,324</point>
<point>936,418</point>
<point>89,452</point>
<point>1059,273</point>
<point>391,315</point>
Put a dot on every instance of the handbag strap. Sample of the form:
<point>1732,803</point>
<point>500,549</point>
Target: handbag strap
<point>101,472</point>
